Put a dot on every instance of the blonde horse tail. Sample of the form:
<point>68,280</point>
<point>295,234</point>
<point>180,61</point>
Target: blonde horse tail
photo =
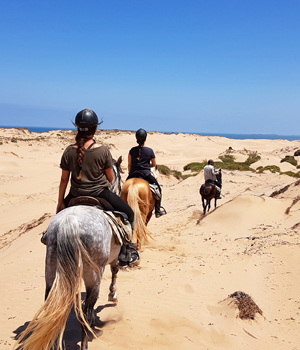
<point>47,326</point>
<point>136,203</point>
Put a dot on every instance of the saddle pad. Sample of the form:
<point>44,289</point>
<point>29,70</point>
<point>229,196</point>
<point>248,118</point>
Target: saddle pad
<point>121,228</point>
<point>155,191</point>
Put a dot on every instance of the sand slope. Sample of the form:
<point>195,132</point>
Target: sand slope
<point>177,298</point>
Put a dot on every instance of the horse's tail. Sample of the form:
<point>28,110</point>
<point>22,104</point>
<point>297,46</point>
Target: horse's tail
<point>202,190</point>
<point>47,326</point>
<point>136,203</point>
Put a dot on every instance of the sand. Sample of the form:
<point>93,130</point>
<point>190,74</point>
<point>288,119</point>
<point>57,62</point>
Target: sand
<point>178,296</point>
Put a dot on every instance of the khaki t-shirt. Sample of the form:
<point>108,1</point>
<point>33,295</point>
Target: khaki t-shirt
<point>93,179</point>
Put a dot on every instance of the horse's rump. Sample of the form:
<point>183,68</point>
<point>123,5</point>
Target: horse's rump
<point>137,194</point>
<point>206,189</point>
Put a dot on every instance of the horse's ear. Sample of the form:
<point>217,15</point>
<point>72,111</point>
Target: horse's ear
<point>119,161</point>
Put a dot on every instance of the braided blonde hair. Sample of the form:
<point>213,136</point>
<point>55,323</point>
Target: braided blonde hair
<point>81,138</point>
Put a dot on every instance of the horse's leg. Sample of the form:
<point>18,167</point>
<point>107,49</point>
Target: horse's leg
<point>148,217</point>
<point>208,203</point>
<point>204,206</point>
<point>215,201</point>
<point>114,267</point>
<point>92,284</point>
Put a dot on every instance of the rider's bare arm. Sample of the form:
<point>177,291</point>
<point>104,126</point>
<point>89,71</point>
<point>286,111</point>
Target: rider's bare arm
<point>153,163</point>
<point>62,189</point>
<point>109,174</point>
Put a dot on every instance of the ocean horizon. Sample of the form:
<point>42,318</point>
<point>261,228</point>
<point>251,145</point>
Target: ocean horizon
<point>227,135</point>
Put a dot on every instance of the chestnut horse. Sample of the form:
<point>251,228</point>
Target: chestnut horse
<point>137,194</point>
<point>208,191</point>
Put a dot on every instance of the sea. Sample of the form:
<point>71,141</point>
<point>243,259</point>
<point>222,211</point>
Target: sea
<point>229,136</point>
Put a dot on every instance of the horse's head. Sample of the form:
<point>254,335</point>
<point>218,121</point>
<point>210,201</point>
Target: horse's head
<point>115,185</point>
<point>219,176</point>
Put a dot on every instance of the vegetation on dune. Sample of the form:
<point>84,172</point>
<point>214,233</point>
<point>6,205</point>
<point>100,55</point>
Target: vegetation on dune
<point>272,168</point>
<point>163,169</point>
<point>227,162</point>
<point>297,153</point>
<point>195,166</point>
<point>289,159</point>
<point>290,173</point>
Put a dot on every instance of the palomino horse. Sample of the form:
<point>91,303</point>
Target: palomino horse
<point>80,244</point>
<point>137,194</point>
<point>208,191</point>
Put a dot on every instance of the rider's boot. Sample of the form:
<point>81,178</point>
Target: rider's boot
<point>159,210</point>
<point>128,254</point>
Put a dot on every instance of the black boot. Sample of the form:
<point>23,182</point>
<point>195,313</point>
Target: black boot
<point>128,255</point>
<point>159,210</point>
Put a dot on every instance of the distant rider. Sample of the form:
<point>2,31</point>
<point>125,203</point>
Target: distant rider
<point>140,161</point>
<point>210,176</point>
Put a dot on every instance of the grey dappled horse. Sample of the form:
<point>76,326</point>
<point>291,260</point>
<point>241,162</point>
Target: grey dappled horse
<point>80,244</point>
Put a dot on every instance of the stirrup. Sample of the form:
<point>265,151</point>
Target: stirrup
<point>129,257</point>
<point>162,211</point>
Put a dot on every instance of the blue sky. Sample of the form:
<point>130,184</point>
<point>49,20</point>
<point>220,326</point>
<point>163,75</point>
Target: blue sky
<point>218,66</point>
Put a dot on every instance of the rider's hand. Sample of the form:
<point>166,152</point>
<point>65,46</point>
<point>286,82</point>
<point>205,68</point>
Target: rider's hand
<point>60,206</point>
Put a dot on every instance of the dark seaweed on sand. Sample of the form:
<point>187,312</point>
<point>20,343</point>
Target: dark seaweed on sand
<point>247,307</point>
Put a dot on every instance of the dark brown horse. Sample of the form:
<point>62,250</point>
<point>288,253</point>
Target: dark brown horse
<point>208,191</point>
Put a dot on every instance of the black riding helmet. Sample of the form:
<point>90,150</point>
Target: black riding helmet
<point>141,136</point>
<point>86,119</point>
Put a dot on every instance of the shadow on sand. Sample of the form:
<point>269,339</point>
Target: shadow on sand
<point>72,333</point>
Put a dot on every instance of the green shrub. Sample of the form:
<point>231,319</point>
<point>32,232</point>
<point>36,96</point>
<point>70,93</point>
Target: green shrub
<point>188,175</point>
<point>14,140</point>
<point>297,153</point>
<point>290,173</point>
<point>252,159</point>
<point>195,166</point>
<point>176,174</point>
<point>163,169</point>
<point>272,168</point>
<point>227,158</point>
<point>289,159</point>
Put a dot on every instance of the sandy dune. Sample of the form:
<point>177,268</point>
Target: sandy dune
<point>178,297</point>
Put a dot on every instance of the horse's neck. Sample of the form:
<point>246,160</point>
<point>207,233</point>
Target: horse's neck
<point>115,185</point>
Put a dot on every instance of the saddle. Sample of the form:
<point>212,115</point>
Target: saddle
<point>91,201</point>
<point>120,226</point>
<point>153,188</point>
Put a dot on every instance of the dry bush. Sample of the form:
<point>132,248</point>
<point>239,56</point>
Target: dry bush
<point>247,307</point>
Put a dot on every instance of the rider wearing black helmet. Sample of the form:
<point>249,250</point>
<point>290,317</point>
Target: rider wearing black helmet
<point>140,161</point>
<point>90,167</point>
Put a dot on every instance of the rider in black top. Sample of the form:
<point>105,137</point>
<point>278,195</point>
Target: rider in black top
<point>140,161</point>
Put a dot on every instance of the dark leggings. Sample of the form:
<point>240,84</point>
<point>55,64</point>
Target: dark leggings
<point>117,203</point>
